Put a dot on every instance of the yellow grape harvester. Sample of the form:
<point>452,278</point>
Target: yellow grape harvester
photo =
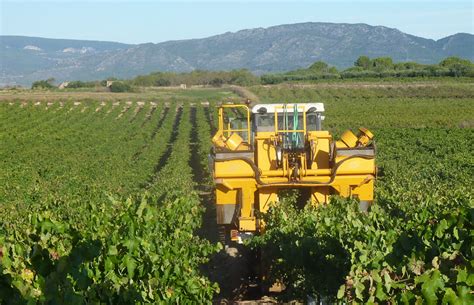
<point>261,151</point>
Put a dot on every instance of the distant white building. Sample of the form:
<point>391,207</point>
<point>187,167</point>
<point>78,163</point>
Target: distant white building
<point>63,85</point>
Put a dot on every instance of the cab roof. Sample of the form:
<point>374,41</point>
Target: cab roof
<point>279,107</point>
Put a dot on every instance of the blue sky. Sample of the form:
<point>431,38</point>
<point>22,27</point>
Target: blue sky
<point>156,21</point>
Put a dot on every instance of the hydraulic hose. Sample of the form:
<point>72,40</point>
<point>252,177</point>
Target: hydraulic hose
<point>294,135</point>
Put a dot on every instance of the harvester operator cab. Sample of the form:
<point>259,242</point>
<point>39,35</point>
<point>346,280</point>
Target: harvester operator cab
<point>238,125</point>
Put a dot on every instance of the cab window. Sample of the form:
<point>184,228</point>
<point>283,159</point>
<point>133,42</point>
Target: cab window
<point>265,122</point>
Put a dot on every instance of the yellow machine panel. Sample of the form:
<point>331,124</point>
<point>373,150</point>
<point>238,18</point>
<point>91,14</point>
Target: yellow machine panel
<point>260,151</point>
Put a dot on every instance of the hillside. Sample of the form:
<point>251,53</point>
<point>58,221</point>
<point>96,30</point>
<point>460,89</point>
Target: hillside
<point>277,48</point>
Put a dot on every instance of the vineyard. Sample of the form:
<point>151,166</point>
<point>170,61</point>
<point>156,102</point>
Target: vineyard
<point>102,203</point>
<point>109,201</point>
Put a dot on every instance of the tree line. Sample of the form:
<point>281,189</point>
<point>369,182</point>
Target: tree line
<point>364,67</point>
<point>380,67</point>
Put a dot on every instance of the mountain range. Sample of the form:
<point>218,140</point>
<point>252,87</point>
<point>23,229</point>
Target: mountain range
<point>261,50</point>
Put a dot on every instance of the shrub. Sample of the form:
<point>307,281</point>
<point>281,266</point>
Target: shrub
<point>81,84</point>
<point>120,87</point>
<point>43,84</point>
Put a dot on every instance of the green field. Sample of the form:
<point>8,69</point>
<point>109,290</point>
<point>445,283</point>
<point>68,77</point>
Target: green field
<point>100,197</point>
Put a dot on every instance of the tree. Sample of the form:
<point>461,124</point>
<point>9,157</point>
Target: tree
<point>319,66</point>
<point>76,84</point>
<point>382,63</point>
<point>364,62</point>
<point>333,70</point>
<point>217,82</point>
<point>162,82</point>
<point>242,77</point>
<point>457,66</point>
<point>43,84</point>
